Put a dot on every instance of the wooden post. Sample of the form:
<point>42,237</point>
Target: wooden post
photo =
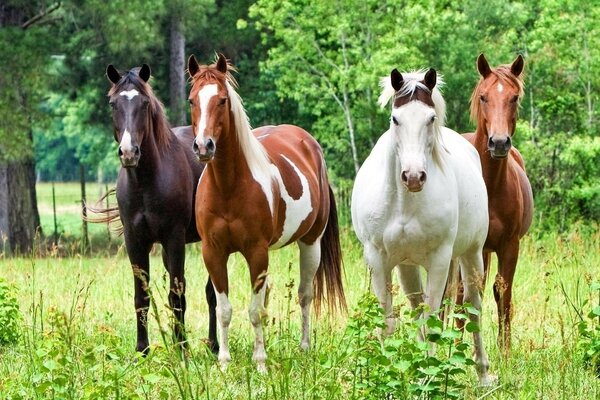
<point>54,214</point>
<point>84,239</point>
<point>107,207</point>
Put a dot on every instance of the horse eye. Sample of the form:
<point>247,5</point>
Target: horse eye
<point>395,121</point>
<point>432,119</point>
<point>514,99</point>
<point>483,99</point>
<point>222,101</point>
<point>112,104</point>
<point>191,102</point>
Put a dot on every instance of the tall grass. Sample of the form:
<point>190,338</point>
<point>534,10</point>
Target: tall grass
<point>79,331</point>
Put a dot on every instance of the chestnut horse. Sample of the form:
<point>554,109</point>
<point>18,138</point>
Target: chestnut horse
<point>494,108</point>
<point>261,190</point>
<point>155,195</point>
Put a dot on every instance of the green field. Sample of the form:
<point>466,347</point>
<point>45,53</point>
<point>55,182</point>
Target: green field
<point>78,331</point>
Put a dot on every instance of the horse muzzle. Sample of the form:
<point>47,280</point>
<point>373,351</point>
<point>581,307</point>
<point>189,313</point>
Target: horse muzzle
<point>499,146</point>
<point>204,151</point>
<point>129,157</point>
<point>414,181</point>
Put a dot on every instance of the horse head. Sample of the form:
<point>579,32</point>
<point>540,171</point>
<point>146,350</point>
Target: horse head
<point>495,102</point>
<point>209,98</point>
<point>130,102</point>
<point>417,110</point>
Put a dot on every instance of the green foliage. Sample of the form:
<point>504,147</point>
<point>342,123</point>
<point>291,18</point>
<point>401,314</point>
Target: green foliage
<point>404,365</point>
<point>10,315</point>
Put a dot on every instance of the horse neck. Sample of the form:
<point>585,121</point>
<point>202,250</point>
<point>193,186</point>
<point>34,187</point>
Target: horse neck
<point>229,163</point>
<point>494,170</point>
<point>150,154</point>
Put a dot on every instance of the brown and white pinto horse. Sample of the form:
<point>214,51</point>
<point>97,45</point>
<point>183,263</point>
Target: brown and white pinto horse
<point>494,108</point>
<point>261,190</point>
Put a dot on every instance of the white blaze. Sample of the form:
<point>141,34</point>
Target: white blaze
<point>500,88</point>
<point>130,94</point>
<point>126,144</point>
<point>204,96</point>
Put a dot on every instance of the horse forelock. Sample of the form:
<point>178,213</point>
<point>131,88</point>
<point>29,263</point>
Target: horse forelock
<point>254,152</point>
<point>162,128</point>
<point>502,73</point>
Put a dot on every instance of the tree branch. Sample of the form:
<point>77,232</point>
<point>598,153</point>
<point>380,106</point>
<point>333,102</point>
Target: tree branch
<point>41,15</point>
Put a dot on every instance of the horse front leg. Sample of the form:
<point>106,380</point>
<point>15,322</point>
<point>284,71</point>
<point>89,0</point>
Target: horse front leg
<point>381,283</point>
<point>258,261</point>
<point>507,264</point>
<point>216,264</point>
<point>175,256</point>
<point>140,264</point>
<point>211,301</point>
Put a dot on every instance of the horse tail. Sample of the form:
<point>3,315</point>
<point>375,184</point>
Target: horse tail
<point>104,215</point>
<point>329,274</point>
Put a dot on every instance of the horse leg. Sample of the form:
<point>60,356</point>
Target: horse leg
<point>140,264</point>
<point>216,264</point>
<point>211,300</point>
<point>310,256</point>
<point>381,281</point>
<point>472,271</point>
<point>507,263</point>
<point>437,278</point>
<point>410,279</point>
<point>175,254</point>
<point>258,260</point>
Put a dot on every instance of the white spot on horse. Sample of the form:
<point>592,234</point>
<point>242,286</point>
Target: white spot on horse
<point>296,211</point>
<point>126,144</point>
<point>130,94</point>
<point>204,96</point>
<point>500,88</point>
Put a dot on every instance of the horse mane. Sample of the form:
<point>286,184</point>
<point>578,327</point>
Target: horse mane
<point>253,150</point>
<point>158,120</point>
<point>502,73</point>
<point>412,82</point>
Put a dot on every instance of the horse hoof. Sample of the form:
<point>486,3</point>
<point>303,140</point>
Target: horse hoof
<point>261,368</point>
<point>304,346</point>
<point>488,380</point>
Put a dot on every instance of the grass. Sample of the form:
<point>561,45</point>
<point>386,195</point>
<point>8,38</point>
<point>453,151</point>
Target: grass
<point>79,330</point>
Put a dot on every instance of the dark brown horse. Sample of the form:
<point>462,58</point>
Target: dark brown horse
<point>155,194</point>
<point>494,108</point>
<point>261,190</point>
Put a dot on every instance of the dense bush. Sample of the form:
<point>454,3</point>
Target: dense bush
<point>10,315</point>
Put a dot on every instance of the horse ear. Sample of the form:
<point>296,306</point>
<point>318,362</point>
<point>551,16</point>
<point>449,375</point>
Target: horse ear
<point>517,66</point>
<point>396,79</point>
<point>145,72</point>
<point>222,63</point>
<point>430,78</point>
<point>113,75</point>
<point>482,66</point>
<point>193,66</point>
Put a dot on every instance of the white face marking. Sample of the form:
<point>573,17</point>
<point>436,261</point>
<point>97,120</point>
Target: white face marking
<point>413,137</point>
<point>130,94</point>
<point>500,88</point>
<point>204,96</point>
<point>296,211</point>
<point>126,144</point>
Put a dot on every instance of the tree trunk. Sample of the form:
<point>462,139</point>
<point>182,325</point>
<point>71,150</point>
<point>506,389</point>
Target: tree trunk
<point>177,70</point>
<point>19,217</point>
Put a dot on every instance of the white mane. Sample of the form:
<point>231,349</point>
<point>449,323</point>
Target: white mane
<point>255,153</point>
<point>412,81</point>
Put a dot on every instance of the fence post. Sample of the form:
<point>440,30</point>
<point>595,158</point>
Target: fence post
<point>54,214</point>
<point>107,207</point>
<point>85,239</point>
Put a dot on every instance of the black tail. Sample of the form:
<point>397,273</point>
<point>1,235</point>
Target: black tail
<point>108,215</point>
<point>329,274</point>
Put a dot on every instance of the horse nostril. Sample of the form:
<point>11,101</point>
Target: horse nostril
<point>404,177</point>
<point>195,146</point>
<point>423,177</point>
<point>508,142</point>
<point>136,150</point>
<point>491,142</point>
<point>210,145</point>
<point>120,152</point>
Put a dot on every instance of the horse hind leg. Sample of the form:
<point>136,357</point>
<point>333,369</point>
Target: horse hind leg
<point>472,272</point>
<point>310,257</point>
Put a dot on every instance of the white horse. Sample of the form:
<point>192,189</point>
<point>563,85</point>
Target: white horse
<point>419,199</point>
